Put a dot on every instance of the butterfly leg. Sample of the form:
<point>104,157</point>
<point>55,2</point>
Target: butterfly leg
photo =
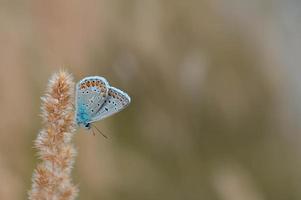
<point>93,131</point>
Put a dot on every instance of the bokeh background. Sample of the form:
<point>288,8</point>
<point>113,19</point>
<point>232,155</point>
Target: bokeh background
<point>215,87</point>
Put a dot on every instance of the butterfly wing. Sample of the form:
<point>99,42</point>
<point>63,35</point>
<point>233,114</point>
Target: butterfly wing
<point>91,93</point>
<point>116,101</point>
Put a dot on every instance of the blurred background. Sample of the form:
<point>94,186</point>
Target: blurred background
<point>215,87</point>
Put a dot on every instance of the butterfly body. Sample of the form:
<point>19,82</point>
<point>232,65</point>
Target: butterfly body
<point>96,100</point>
<point>82,116</point>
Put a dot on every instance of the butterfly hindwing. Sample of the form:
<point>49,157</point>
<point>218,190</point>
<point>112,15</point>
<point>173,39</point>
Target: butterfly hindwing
<point>116,101</point>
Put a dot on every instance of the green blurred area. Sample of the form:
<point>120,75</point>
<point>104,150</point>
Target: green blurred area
<point>215,96</point>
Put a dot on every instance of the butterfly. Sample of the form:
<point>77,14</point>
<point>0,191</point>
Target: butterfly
<point>95,100</point>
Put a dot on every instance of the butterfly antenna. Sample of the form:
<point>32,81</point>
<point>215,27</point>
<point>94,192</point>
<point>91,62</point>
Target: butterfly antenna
<point>99,131</point>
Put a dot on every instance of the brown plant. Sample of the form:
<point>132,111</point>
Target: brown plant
<point>52,178</point>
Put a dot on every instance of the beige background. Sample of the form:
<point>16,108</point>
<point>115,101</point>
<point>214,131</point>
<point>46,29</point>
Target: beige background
<point>215,87</point>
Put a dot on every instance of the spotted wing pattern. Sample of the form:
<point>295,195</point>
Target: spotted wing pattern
<point>116,101</point>
<point>91,93</point>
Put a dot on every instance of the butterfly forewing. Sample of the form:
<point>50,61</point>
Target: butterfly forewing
<point>116,101</point>
<point>91,93</point>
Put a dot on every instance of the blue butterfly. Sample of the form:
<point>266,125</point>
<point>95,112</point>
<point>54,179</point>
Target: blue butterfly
<point>95,100</point>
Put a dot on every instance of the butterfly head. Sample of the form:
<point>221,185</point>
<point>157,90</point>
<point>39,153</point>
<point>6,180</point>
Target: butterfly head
<point>84,125</point>
<point>87,126</point>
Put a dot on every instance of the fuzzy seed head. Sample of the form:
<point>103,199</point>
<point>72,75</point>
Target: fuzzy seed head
<point>52,178</point>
